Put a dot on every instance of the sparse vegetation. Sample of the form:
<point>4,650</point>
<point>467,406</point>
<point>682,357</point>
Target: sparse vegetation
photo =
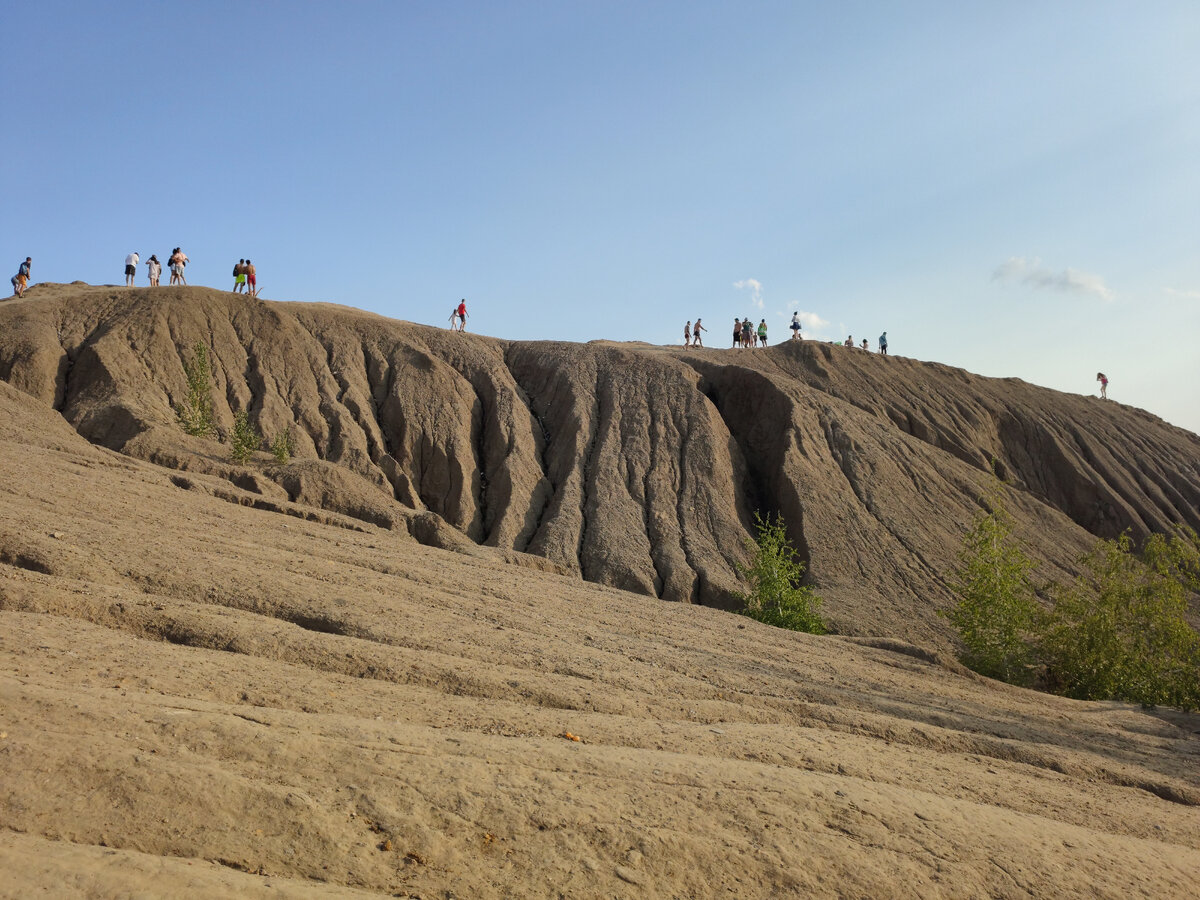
<point>997,612</point>
<point>282,447</point>
<point>1117,632</point>
<point>195,413</point>
<point>776,595</point>
<point>244,439</point>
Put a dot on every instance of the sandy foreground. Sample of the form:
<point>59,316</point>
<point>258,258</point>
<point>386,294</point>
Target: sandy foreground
<point>202,698</point>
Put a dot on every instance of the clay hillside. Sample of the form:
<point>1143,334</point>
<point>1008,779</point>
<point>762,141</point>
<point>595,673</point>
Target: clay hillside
<point>632,466</point>
<point>431,656</point>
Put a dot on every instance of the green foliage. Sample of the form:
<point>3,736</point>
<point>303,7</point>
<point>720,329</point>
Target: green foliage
<point>776,596</point>
<point>1118,631</point>
<point>996,614</point>
<point>244,439</point>
<point>1176,556</point>
<point>282,447</point>
<point>195,413</point>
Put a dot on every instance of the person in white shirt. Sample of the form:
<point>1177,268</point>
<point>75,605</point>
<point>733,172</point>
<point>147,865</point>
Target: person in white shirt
<point>155,269</point>
<point>796,325</point>
<point>131,262</point>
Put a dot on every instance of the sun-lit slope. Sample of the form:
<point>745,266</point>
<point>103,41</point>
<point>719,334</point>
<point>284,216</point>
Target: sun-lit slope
<point>185,678</point>
<point>632,466</point>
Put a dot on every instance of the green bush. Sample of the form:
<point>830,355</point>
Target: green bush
<point>1118,631</point>
<point>195,413</point>
<point>244,439</point>
<point>282,447</point>
<point>776,596</point>
<point>997,614</point>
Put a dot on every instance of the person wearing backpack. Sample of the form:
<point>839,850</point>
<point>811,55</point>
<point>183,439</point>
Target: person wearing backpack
<point>883,344</point>
<point>239,276</point>
<point>762,332</point>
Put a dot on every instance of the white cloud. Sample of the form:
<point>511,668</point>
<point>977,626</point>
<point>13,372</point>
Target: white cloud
<point>1031,272</point>
<point>755,287</point>
<point>1186,295</point>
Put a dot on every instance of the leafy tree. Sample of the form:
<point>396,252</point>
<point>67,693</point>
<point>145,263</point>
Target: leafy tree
<point>997,613</point>
<point>244,439</point>
<point>195,412</point>
<point>1119,632</point>
<point>282,447</point>
<point>776,596</point>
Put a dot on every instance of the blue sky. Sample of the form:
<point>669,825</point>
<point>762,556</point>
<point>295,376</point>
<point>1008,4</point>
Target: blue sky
<point>1011,187</point>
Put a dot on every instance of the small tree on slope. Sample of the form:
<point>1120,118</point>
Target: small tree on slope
<point>996,614</point>
<point>776,596</point>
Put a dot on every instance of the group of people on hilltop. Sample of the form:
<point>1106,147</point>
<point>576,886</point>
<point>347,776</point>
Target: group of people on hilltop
<point>849,342</point>
<point>691,334</point>
<point>245,277</point>
<point>458,316</point>
<point>175,262</point>
<point>745,335</point>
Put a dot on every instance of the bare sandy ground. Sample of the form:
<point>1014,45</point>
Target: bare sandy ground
<point>202,698</point>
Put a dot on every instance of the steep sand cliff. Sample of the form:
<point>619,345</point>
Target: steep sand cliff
<point>632,466</point>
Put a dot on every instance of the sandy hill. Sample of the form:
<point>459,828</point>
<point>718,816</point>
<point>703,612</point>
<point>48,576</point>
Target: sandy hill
<point>352,676</point>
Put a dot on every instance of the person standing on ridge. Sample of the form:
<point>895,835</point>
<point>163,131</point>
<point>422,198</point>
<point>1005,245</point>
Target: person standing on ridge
<point>883,343</point>
<point>131,262</point>
<point>796,326</point>
<point>461,312</point>
<point>251,279</point>
<point>175,266</point>
<point>22,277</point>
<point>696,342</point>
<point>239,276</point>
<point>1103,379</point>
<point>687,334</point>
<point>154,269</point>
<point>762,332</point>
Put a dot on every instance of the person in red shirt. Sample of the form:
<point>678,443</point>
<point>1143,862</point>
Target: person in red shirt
<point>462,315</point>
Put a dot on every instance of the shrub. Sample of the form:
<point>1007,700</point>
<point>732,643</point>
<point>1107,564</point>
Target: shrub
<point>997,613</point>
<point>244,439</point>
<point>776,596</point>
<point>195,413</point>
<point>282,447</point>
<point>1118,631</point>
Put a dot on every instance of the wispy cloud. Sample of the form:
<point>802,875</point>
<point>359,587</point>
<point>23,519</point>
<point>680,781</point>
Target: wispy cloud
<point>1031,272</point>
<point>1186,295</point>
<point>755,288</point>
<point>813,323</point>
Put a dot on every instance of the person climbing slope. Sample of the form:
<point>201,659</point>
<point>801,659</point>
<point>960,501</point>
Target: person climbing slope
<point>1103,379</point>
<point>22,277</point>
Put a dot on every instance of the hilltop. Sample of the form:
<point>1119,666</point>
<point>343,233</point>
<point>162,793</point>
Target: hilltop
<point>355,675</point>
